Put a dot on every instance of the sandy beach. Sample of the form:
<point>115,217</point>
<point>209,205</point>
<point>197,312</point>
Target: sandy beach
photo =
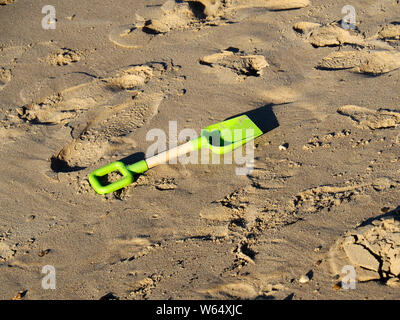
<point>84,83</point>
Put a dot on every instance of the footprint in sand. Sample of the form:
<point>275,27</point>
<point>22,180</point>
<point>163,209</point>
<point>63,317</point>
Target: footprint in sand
<point>371,119</point>
<point>249,212</point>
<point>241,64</point>
<point>373,62</point>
<point>6,252</point>
<point>316,199</point>
<point>234,290</point>
<point>8,56</point>
<point>172,16</point>
<point>130,36</point>
<point>325,141</point>
<point>331,35</point>
<point>5,77</point>
<point>280,95</point>
<point>64,56</point>
<point>327,197</point>
<point>373,249</point>
<point>124,248</point>
<point>390,32</point>
<point>328,35</point>
<point>366,62</point>
<point>102,113</point>
<point>183,15</point>
<point>68,104</point>
<point>273,173</point>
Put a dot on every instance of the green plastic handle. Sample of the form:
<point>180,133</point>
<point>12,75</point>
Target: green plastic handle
<point>127,172</point>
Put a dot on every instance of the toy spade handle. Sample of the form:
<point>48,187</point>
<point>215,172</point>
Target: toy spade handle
<point>128,172</point>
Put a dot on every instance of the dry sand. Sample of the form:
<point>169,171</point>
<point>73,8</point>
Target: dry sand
<point>325,190</point>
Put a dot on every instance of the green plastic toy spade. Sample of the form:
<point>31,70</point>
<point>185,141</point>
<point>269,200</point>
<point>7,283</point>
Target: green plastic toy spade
<point>220,138</point>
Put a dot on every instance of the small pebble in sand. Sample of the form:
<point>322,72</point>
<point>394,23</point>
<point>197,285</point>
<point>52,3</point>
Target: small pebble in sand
<point>304,279</point>
<point>20,295</point>
<point>284,146</point>
<point>337,287</point>
<point>44,252</point>
<point>317,249</point>
<point>30,218</point>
